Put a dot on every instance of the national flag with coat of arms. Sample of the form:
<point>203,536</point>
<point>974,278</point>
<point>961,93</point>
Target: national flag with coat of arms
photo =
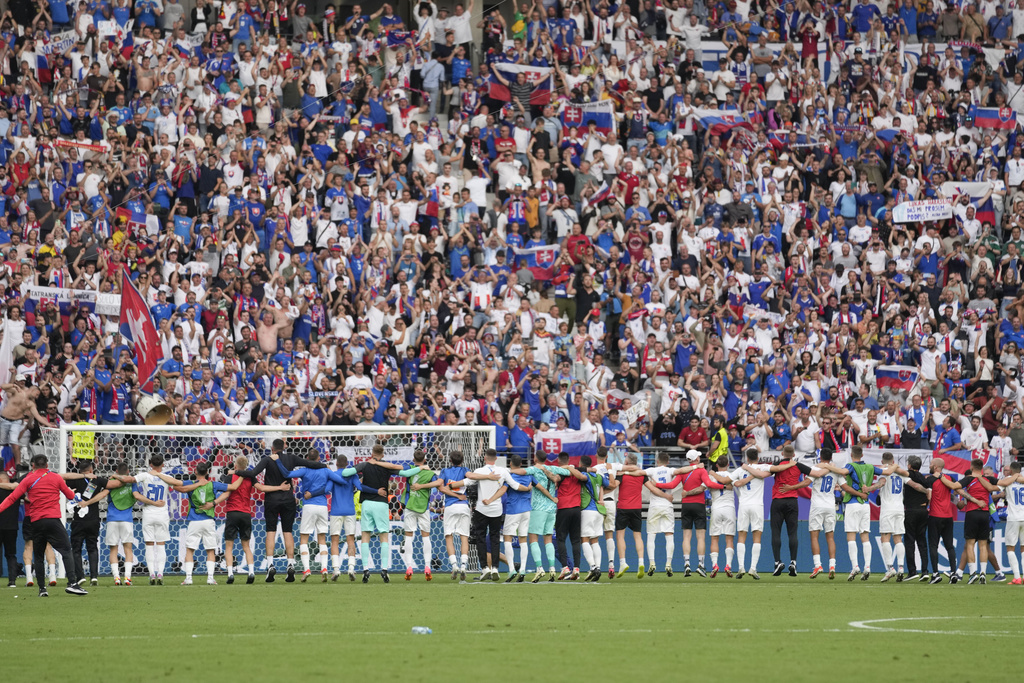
<point>574,442</point>
<point>537,76</point>
<point>544,258</point>
<point>136,325</point>
<point>896,377</point>
<point>998,118</point>
<point>601,114</point>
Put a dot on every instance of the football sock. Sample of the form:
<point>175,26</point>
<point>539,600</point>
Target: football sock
<point>866,547</point>
<point>741,553</point>
<point>755,555</point>
<point>428,552</point>
<point>1011,556</point>
<point>714,559</point>
<point>901,552</point>
<point>385,556</point>
<point>816,561</point>
<point>851,547</point>
<point>670,549</point>
<point>588,555</point>
<point>364,553</point>
<point>304,554</point>
<point>510,557</point>
<point>463,562</point>
<point>595,549</point>
<point>188,569</point>
<point>650,548</point>
<point>336,562</point>
<point>886,556</point>
<point>549,549</point>
<point>609,546</point>
<point>728,556</point>
<point>128,570</point>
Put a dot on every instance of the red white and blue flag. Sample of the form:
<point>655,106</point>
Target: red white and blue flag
<point>720,121</point>
<point>537,76</point>
<point>136,325</point>
<point>601,114</point>
<point>600,195</point>
<point>896,377</point>
<point>573,442</point>
<point>998,118</point>
<point>540,260</point>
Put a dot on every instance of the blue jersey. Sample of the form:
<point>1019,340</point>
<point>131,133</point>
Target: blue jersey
<point>343,490</point>
<point>313,481</point>
<point>517,502</point>
<point>448,475</point>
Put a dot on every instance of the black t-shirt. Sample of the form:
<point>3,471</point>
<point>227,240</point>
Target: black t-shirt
<point>373,476</point>
<point>666,432</point>
<point>912,498</point>
<point>9,517</point>
<point>87,488</point>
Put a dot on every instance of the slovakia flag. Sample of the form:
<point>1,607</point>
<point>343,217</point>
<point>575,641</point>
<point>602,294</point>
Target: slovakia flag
<point>537,76</point>
<point>138,328</point>
<point>896,377</point>
<point>994,117</point>
<point>573,442</point>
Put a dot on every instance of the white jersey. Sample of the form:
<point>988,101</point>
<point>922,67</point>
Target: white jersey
<point>154,488</point>
<point>660,475</point>
<point>488,488</point>
<point>611,469</point>
<point>1015,502</point>
<point>752,493</point>
<point>823,491</point>
<point>723,499</point>
<point>891,495</point>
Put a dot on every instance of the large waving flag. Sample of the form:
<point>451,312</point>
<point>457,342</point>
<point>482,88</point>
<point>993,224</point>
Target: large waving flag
<point>573,442</point>
<point>896,377</point>
<point>538,76</point>
<point>602,114</point>
<point>540,260</point>
<point>984,211</point>
<point>136,325</point>
<point>999,118</point>
<point>720,121</point>
<point>600,195</point>
<point>400,38</point>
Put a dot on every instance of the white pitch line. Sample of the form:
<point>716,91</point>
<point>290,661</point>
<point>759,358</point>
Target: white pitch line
<point>867,625</point>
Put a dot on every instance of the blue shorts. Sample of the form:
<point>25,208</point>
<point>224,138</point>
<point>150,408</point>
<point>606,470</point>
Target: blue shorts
<point>375,517</point>
<point>542,522</point>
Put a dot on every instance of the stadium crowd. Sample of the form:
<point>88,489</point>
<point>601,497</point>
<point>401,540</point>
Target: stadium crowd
<point>339,217</point>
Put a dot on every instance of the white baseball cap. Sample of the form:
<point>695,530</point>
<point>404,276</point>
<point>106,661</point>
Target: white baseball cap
<point>692,455</point>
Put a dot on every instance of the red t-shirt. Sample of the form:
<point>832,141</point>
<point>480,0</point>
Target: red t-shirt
<point>693,437</point>
<point>630,492</point>
<point>695,479</point>
<point>240,500</point>
<point>43,488</point>
<point>569,492</point>
<point>976,489</point>
<point>942,503</point>
<point>785,478</point>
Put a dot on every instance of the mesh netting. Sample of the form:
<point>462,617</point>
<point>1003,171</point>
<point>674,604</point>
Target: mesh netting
<point>184,448</point>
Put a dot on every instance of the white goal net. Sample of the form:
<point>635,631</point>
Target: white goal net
<point>184,447</point>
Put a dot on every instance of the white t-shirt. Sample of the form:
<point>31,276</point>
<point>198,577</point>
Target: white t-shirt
<point>1015,502</point>
<point>752,493</point>
<point>154,488</point>
<point>660,475</point>
<point>488,488</point>
<point>823,491</point>
<point>891,495</point>
<point>609,468</point>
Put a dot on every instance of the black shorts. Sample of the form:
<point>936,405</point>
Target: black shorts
<point>238,525</point>
<point>694,515</point>
<point>976,525</point>
<point>628,519</point>
<point>280,509</point>
<point>26,529</point>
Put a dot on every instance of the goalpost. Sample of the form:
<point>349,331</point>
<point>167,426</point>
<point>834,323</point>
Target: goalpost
<point>183,447</point>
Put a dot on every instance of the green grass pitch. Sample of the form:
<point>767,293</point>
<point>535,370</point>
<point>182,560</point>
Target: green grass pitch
<point>657,629</point>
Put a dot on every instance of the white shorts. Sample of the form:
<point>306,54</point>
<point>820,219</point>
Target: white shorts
<point>204,532</point>
<point>723,522</point>
<point>456,520</point>
<point>411,521</point>
<point>345,525</point>
<point>156,530</point>
<point>519,525</point>
<point>822,519</point>
<point>120,533</point>
<point>858,518</point>
<point>314,520</point>
<point>750,517</point>
<point>1014,533</point>
<point>891,522</point>
<point>592,524</point>
<point>661,520</point>
<point>609,515</point>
